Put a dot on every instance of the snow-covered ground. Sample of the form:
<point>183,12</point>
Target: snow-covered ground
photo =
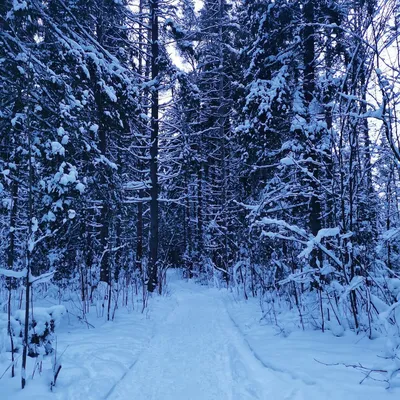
<point>198,343</point>
<point>299,358</point>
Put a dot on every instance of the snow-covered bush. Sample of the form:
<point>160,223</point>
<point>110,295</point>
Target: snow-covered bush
<point>42,325</point>
<point>5,344</point>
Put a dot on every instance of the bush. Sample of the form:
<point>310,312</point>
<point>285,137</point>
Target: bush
<point>42,325</point>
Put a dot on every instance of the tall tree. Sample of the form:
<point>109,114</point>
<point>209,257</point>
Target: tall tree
<point>153,260</point>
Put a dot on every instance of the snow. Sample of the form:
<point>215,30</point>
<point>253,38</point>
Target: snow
<point>110,93</point>
<point>19,5</point>
<point>12,274</point>
<point>50,216</point>
<point>104,160</point>
<point>199,343</point>
<point>43,321</point>
<point>46,277</point>
<point>394,287</point>
<point>311,242</point>
<point>198,355</point>
<point>80,187</point>
<point>287,161</point>
<point>57,148</point>
<point>93,359</point>
<point>390,234</point>
<point>42,316</point>
<point>35,224</point>
<point>322,233</point>
<point>71,214</point>
<point>298,357</point>
<point>94,128</point>
<point>18,116</point>
<point>71,177</point>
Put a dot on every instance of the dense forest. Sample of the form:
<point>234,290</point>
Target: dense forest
<point>253,143</point>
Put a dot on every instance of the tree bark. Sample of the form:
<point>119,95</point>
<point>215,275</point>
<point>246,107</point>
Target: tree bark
<point>152,271</point>
<point>29,249</point>
<point>10,264</point>
<point>139,221</point>
<point>312,137</point>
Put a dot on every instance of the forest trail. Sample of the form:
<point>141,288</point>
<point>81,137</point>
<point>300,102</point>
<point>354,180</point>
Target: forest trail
<point>196,343</point>
<point>198,353</point>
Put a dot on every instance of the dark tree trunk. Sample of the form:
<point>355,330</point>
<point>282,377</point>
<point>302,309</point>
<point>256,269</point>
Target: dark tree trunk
<point>10,263</point>
<point>309,94</point>
<point>139,220</point>
<point>200,209</point>
<point>104,215</point>
<point>152,272</point>
<point>28,260</point>
<point>313,140</point>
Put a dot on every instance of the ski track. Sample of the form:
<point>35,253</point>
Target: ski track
<point>268,365</point>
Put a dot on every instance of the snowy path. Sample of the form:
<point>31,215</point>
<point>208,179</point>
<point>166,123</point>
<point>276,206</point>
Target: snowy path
<point>197,345</point>
<point>198,354</point>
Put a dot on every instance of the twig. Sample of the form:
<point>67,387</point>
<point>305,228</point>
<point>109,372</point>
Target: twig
<point>13,363</point>
<point>53,382</point>
<point>365,370</point>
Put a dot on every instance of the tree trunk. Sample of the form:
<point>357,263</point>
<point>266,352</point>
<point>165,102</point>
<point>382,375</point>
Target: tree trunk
<point>139,221</point>
<point>29,248</point>
<point>152,273</point>
<point>10,264</point>
<point>309,95</point>
<point>104,215</point>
